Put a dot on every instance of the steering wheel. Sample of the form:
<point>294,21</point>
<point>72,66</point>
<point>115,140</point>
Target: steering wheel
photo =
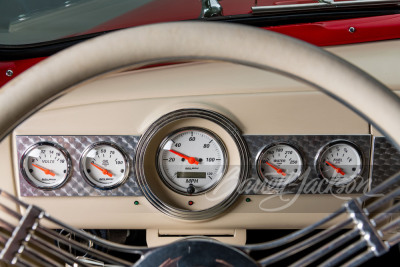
<point>183,41</point>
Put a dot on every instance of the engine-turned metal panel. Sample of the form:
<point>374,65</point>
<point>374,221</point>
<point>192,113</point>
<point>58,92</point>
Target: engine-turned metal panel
<point>76,185</point>
<point>310,182</point>
<point>386,161</point>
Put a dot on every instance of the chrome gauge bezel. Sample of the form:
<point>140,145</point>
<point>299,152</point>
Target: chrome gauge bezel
<point>89,180</point>
<point>208,204</point>
<point>321,151</point>
<point>62,150</point>
<point>261,175</point>
<point>208,132</point>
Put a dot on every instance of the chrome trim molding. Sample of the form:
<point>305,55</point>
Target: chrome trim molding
<point>174,116</point>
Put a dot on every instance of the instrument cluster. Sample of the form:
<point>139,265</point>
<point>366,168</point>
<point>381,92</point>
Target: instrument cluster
<point>191,164</point>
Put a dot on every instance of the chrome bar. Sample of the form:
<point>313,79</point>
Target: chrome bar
<point>315,6</point>
<point>360,259</point>
<point>394,240</point>
<point>19,234</point>
<point>76,245</point>
<point>386,214</point>
<point>368,231</point>
<point>99,241</point>
<point>382,201</point>
<point>40,258</point>
<point>379,190</point>
<point>390,226</point>
<point>9,211</point>
<point>344,254</point>
<point>305,243</point>
<point>328,248</point>
<point>55,251</point>
<point>293,236</point>
<point>6,226</point>
<point>13,199</point>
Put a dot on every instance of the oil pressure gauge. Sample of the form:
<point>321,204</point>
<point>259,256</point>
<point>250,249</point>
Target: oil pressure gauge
<point>104,165</point>
<point>46,165</point>
<point>339,162</point>
<point>191,160</point>
<point>279,164</point>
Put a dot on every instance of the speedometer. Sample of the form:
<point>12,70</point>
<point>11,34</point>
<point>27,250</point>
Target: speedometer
<point>191,160</point>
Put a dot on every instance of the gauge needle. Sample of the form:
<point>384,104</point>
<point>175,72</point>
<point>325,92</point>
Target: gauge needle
<point>191,160</point>
<point>104,171</point>
<point>338,170</point>
<point>46,171</point>
<point>280,171</point>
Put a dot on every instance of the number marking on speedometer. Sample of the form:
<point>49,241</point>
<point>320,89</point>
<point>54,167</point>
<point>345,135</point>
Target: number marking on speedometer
<point>191,161</point>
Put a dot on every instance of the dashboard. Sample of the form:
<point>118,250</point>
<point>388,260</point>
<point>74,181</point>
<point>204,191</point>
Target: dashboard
<point>256,150</point>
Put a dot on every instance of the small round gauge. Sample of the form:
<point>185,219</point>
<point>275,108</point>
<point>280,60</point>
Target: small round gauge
<point>191,160</point>
<point>339,163</point>
<point>46,165</point>
<point>104,165</point>
<point>279,164</point>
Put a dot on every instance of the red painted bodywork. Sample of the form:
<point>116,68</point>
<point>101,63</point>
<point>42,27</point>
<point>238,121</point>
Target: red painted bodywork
<point>319,33</point>
<point>17,67</point>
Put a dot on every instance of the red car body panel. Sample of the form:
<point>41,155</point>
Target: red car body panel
<point>326,33</point>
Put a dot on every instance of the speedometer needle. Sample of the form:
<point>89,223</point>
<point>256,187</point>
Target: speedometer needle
<point>104,171</point>
<point>280,171</point>
<point>46,171</point>
<point>338,170</point>
<point>191,160</point>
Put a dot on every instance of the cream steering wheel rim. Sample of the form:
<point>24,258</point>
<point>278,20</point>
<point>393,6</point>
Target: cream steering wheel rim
<point>177,41</point>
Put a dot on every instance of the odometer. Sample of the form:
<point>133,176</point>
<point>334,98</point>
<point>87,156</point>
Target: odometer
<point>191,160</point>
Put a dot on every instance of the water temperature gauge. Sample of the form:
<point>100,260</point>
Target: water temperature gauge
<point>46,165</point>
<point>279,165</point>
<point>339,162</point>
<point>104,165</point>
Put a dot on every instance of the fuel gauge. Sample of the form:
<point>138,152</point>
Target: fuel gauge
<point>339,162</point>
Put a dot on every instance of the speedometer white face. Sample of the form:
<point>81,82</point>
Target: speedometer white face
<point>340,163</point>
<point>104,165</point>
<point>191,161</point>
<point>46,165</point>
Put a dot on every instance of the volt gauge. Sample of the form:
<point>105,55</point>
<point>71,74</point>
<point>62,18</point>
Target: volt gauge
<point>46,165</point>
<point>191,160</point>
<point>104,165</point>
<point>279,164</point>
<point>339,162</point>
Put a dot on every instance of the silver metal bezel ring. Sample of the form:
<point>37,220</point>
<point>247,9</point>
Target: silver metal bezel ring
<point>262,152</point>
<point>61,149</point>
<point>89,181</point>
<point>317,160</point>
<point>174,116</point>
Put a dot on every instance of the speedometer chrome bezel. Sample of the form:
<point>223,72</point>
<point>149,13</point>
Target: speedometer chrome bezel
<point>62,150</point>
<point>208,132</point>
<point>206,205</point>
<point>88,179</point>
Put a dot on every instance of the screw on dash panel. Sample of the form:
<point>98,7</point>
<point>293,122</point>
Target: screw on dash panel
<point>9,73</point>
<point>352,30</point>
